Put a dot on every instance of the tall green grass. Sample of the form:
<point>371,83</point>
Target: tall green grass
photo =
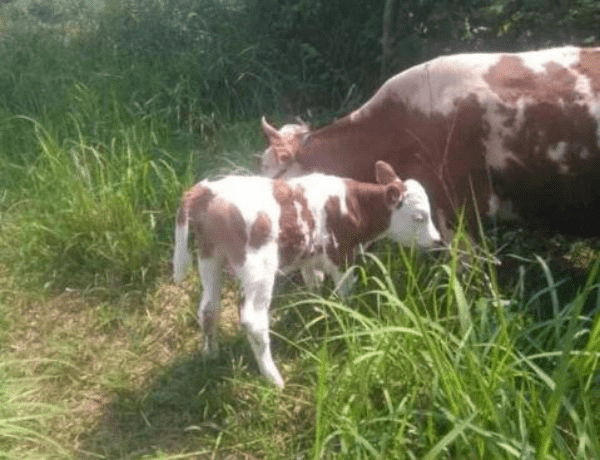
<point>106,114</point>
<point>425,360</point>
<point>23,421</point>
<point>481,381</point>
<point>91,210</point>
<point>94,206</point>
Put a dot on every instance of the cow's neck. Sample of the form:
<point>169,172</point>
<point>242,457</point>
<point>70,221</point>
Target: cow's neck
<point>350,146</point>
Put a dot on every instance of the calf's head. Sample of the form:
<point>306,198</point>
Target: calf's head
<point>411,221</point>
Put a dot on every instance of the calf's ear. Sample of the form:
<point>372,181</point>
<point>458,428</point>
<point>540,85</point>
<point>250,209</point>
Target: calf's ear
<point>394,195</point>
<point>384,173</point>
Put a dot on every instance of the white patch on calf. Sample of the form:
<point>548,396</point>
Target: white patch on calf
<point>181,257</point>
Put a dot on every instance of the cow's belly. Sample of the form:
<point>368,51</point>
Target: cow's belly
<point>567,203</point>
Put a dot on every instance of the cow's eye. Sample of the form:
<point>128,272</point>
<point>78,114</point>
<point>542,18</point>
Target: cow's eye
<point>419,217</point>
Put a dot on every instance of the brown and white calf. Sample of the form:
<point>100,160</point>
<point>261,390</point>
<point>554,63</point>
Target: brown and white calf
<point>260,226</point>
<point>515,135</point>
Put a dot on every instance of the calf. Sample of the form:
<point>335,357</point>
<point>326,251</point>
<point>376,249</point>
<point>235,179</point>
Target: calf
<point>261,226</point>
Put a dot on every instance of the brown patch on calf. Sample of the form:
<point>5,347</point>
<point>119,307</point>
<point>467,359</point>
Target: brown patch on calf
<point>228,231</point>
<point>305,213</point>
<point>337,226</point>
<point>291,239</point>
<point>260,230</point>
<point>217,225</point>
<point>368,216</point>
<point>197,199</point>
<point>194,204</point>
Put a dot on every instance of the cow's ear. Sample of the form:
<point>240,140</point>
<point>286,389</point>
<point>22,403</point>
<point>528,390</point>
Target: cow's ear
<point>302,123</point>
<point>394,195</point>
<point>277,143</point>
<point>384,173</point>
<point>270,132</point>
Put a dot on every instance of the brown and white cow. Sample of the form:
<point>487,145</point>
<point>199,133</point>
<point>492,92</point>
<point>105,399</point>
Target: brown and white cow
<point>261,226</point>
<point>514,134</point>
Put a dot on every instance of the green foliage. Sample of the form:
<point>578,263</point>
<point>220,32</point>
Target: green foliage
<point>427,359</point>
<point>325,47</point>
<point>211,49</point>
<point>99,136</point>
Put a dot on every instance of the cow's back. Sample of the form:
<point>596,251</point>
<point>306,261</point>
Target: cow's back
<point>518,133</point>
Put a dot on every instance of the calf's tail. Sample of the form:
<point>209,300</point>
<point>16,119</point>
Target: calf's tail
<point>181,257</point>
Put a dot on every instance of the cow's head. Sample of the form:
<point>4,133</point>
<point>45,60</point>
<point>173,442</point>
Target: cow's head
<point>411,212</point>
<point>278,159</point>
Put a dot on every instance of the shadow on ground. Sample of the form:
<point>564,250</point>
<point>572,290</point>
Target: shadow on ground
<point>186,407</point>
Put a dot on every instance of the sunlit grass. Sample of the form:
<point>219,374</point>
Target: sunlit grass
<point>474,384</point>
<point>24,419</point>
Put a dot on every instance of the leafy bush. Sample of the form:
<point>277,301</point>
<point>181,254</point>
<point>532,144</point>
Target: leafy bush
<point>319,49</point>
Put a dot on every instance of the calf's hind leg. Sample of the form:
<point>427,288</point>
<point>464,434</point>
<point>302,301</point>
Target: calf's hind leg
<point>211,271</point>
<point>257,279</point>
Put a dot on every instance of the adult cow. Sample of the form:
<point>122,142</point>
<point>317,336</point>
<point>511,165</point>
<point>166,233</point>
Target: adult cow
<point>513,134</point>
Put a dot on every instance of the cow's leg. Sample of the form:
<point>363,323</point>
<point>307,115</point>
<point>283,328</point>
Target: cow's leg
<point>257,277</point>
<point>211,271</point>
